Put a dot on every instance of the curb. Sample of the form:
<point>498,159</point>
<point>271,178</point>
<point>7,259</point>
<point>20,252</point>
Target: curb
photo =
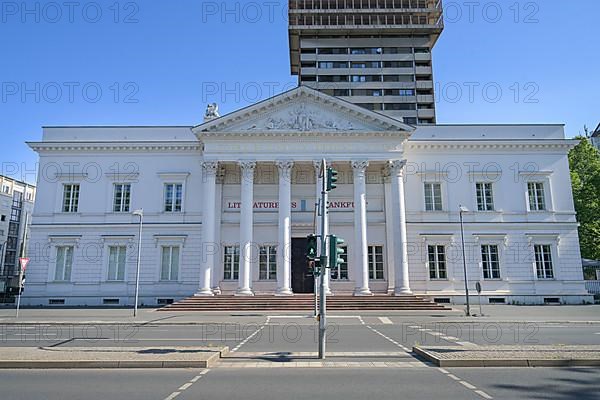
<point>108,364</point>
<point>502,363</point>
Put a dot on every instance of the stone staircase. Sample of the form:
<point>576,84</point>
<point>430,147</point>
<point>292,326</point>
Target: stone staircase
<point>303,302</point>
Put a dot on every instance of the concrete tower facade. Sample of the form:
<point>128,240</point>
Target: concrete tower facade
<point>373,53</point>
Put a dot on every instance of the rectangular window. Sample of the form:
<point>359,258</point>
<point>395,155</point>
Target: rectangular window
<point>169,268</point>
<point>537,201</point>
<point>543,261</point>
<point>485,196</point>
<point>231,262</point>
<point>397,64</point>
<point>333,64</point>
<point>376,262</point>
<point>437,262</point>
<point>341,272</point>
<point>338,50</point>
<point>490,261</point>
<point>333,78</point>
<point>400,106</point>
<point>365,64</point>
<point>365,78</point>
<point>267,262</point>
<point>433,197</point>
<point>64,263</point>
<point>70,198</point>
<point>173,197</point>
<point>366,50</point>
<point>116,263</point>
<point>122,197</point>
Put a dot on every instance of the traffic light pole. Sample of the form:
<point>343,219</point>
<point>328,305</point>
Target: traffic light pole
<point>323,267</point>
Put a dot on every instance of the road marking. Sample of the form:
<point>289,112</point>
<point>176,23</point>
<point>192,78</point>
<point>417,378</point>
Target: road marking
<point>243,342</point>
<point>443,371</point>
<point>386,320</point>
<point>467,385</point>
<point>452,376</point>
<point>361,320</point>
<point>187,385</point>
<point>483,394</point>
<point>389,339</point>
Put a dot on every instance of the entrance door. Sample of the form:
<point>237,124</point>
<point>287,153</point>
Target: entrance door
<point>302,280</point>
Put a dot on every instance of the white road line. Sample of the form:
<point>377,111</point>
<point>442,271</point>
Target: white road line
<point>443,371</point>
<point>243,342</point>
<point>290,316</point>
<point>483,394</point>
<point>386,320</point>
<point>204,372</point>
<point>452,376</point>
<point>173,395</point>
<point>185,386</point>
<point>467,385</point>
<point>195,379</point>
<point>361,320</point>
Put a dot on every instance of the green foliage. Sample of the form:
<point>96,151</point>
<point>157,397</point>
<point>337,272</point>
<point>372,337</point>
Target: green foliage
<point>584,161</point>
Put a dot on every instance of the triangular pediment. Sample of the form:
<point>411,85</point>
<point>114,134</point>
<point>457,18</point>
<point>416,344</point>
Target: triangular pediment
<point>302,111</point>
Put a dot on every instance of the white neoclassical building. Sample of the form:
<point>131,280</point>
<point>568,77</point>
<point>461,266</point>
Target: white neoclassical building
<point>228,204</point>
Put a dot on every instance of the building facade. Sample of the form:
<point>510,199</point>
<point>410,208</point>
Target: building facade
<point>16,207</point>
<point>228,204</point>
<point>373,53</point>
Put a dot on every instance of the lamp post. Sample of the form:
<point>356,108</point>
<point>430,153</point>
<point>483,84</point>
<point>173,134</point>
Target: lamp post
<point>2,248</point>
<point>462,210</point>
<point>139,213</point>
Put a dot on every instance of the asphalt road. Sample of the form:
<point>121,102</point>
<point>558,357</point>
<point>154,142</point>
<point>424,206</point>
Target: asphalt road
<point>353,338</point>
<point>282,383</point>
<point>346,333</point>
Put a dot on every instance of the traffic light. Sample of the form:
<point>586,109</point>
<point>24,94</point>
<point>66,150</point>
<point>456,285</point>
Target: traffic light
<point>335,251</point>
<point>311,247</point>
<point>314,267</point>
<point>332,178</point>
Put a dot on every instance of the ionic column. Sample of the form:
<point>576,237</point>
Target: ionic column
<point>361,256</point>
<point>246,227</point>
<point>402,284</point>
<point>284,253</point>
<point>319,179</point>
<point>209,247</point>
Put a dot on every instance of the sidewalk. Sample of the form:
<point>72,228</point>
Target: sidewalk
<point>510,356</point>
<point>110,357</point>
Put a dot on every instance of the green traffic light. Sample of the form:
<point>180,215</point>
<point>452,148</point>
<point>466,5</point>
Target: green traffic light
<point>332,178</point>
<point>311,247</point>
<point>335,251</point>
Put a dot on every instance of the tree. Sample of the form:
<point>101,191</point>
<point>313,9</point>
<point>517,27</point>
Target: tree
<point>584,161</point>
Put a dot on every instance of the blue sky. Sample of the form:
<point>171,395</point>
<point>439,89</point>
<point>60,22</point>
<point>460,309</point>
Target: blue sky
<point>160,62</point>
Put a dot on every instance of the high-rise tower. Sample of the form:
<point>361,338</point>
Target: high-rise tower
<point>374,53</point>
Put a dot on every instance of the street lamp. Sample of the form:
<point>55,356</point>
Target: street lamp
<point>139,213</point>
<point>462,210</point>
<point>2,252</point>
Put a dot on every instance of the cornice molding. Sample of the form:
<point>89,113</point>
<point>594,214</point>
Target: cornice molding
<point>553,145</point>
<point>48,147</point>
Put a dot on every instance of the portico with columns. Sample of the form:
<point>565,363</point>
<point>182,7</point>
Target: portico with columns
<point>269,157</point>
